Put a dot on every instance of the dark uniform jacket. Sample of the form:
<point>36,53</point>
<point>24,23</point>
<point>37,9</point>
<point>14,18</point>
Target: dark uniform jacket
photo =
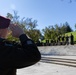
<point>15,56</point>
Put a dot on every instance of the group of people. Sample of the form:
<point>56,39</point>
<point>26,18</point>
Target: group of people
<point>66,39</point>
<point>61,40</point>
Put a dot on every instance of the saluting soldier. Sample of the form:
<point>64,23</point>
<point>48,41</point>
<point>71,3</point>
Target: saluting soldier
<point>14,55</point>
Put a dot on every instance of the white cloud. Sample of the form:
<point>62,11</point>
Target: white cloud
<point>12,6</point>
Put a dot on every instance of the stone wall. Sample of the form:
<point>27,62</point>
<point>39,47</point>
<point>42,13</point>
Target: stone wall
<point>58,50</point>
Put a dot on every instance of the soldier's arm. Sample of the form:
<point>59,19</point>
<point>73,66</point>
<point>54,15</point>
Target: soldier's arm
<point>19,57</point>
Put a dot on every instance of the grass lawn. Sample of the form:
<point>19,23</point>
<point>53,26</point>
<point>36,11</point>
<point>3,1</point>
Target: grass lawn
<point>73,33</point>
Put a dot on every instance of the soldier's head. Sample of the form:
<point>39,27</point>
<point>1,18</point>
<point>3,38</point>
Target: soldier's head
<point>4,24</point>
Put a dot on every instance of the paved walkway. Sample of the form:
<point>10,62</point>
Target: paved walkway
<point>49,69</point>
